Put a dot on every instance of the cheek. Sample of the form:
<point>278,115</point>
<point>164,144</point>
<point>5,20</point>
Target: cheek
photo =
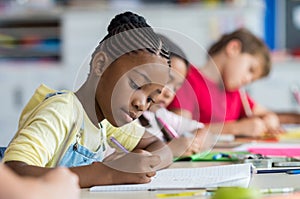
<point>166,91</point>
<point>121,94</point>
<point>227,76</point>
<point>166,97</point>
<point>230,79</point>
<point>168,101</point>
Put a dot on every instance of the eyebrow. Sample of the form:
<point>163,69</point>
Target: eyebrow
<point>144,76</point>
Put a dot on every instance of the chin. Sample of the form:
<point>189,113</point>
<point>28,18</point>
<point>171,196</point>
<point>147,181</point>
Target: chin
<point>119,123</point>
<point>231,88</point>
<point>115,122</point>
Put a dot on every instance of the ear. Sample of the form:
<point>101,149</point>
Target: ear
<point>99,63</point>
<point>233,47</point>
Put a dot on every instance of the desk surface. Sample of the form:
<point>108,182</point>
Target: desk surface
<point>278,180</point>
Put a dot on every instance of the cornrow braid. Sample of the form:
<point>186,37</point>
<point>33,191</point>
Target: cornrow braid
<point>174,49</point>
<point>129,32</point>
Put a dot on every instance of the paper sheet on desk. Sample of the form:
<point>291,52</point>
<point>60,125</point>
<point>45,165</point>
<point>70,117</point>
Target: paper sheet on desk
<point>292,133</point>
<point>179,178</point>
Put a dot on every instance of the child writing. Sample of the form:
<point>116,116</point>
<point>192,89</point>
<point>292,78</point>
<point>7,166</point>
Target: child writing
<point>189,131</point>
<point>237,59</point>
<point>59,183</point>
<point>127,72</point>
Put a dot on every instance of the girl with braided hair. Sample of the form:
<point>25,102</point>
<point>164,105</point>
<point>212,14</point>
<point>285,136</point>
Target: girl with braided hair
<point>128,70</point>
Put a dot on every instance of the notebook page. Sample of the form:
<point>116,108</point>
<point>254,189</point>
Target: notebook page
<point>225,175</point>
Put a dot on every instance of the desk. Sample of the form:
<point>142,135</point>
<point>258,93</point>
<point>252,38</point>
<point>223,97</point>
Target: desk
<point>289,117</point>
<point>258,181</point>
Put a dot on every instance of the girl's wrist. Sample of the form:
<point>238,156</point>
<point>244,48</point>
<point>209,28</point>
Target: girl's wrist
<point>103,173</point>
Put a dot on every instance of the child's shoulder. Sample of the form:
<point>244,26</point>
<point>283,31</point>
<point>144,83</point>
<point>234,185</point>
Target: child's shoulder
<point>47,97</point>
<point>44,93</point>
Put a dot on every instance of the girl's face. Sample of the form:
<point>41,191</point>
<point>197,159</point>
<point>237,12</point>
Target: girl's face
<point>241,70</point>
<point>130,85</point>
<point>177,75</point>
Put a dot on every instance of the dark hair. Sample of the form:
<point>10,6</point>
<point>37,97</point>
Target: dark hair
<point>174,49</point>
<point>250,44</point>
<point>129,32</point>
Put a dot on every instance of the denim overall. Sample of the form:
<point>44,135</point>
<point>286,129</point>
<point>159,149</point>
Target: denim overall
<point>2,150</point>
<point>78,155</point>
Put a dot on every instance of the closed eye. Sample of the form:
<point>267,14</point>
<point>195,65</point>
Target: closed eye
<point>134,85</point>
<point>150,100</point>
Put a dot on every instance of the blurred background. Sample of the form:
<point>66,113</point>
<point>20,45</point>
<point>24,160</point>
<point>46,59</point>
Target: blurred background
<point>47,41</point>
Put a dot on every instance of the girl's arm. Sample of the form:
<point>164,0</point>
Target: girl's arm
<point>250,127</point>
<point>270,119</point>
<point>155,146</point>
<point>183,112</point>
<point>130,168</point>
<point>180,124</point>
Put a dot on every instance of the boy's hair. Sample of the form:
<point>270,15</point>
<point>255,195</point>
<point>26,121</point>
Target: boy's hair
<point>174,49</point>
<point>250,44</point>
<point>129,32</point>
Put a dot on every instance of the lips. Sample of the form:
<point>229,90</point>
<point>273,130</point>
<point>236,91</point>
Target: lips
<point>162,103</point>
<point>129,116</point>
<point>133,115</point>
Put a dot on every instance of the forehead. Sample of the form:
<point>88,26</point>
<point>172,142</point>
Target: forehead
<point>178,65</point>
<point>151,67</point>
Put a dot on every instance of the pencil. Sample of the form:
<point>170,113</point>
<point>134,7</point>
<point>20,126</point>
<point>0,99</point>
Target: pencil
<point>168,128</point>
<point>181,194</point>
<point>118,144</point>
<point>245,103</point>
<point>265,171</point>
<point>296,171</point>
<point>277,190</point>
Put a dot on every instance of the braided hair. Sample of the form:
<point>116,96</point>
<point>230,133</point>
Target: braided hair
<point>174,49</point>
<point>129,32</point>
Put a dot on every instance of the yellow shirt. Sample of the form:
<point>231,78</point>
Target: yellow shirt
<point>44,126</point>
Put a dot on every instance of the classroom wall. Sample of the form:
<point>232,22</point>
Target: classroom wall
<point>83,28</point>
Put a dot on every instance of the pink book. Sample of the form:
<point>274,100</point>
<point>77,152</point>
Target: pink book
<point>287,152</point>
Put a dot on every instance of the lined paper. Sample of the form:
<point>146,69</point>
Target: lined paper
<point>179,178</point>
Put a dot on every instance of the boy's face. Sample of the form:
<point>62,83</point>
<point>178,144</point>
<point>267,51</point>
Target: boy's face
<point>241,70</point>
<point>130,85</point>
<point>177,75</point>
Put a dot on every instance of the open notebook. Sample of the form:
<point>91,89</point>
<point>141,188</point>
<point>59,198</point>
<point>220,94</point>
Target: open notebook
<point>190,178</point>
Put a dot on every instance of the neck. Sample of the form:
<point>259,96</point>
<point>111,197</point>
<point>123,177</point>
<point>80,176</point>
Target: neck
<point>87,97</point>
<point>213,69</point>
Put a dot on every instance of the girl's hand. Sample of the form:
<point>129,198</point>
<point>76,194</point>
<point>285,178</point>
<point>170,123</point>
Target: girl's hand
<point>186,146</point>
<point>252,127</point>
<point>134,167</point>
<point>272,122</point>
<point>181,146</point>
<point>110,176</point>
<point>134,162</point>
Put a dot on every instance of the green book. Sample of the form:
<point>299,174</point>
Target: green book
<point>214,156</point>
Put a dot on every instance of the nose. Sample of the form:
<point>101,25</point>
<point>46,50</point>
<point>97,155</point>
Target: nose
<point>168,91</point>
<point>165,94</point>
<point>140,103</point>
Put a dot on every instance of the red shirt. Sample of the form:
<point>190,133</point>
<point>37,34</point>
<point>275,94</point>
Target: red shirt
<point>207,101</point>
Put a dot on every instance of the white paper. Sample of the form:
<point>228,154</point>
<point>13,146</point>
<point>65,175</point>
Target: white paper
<point>179,178</point>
